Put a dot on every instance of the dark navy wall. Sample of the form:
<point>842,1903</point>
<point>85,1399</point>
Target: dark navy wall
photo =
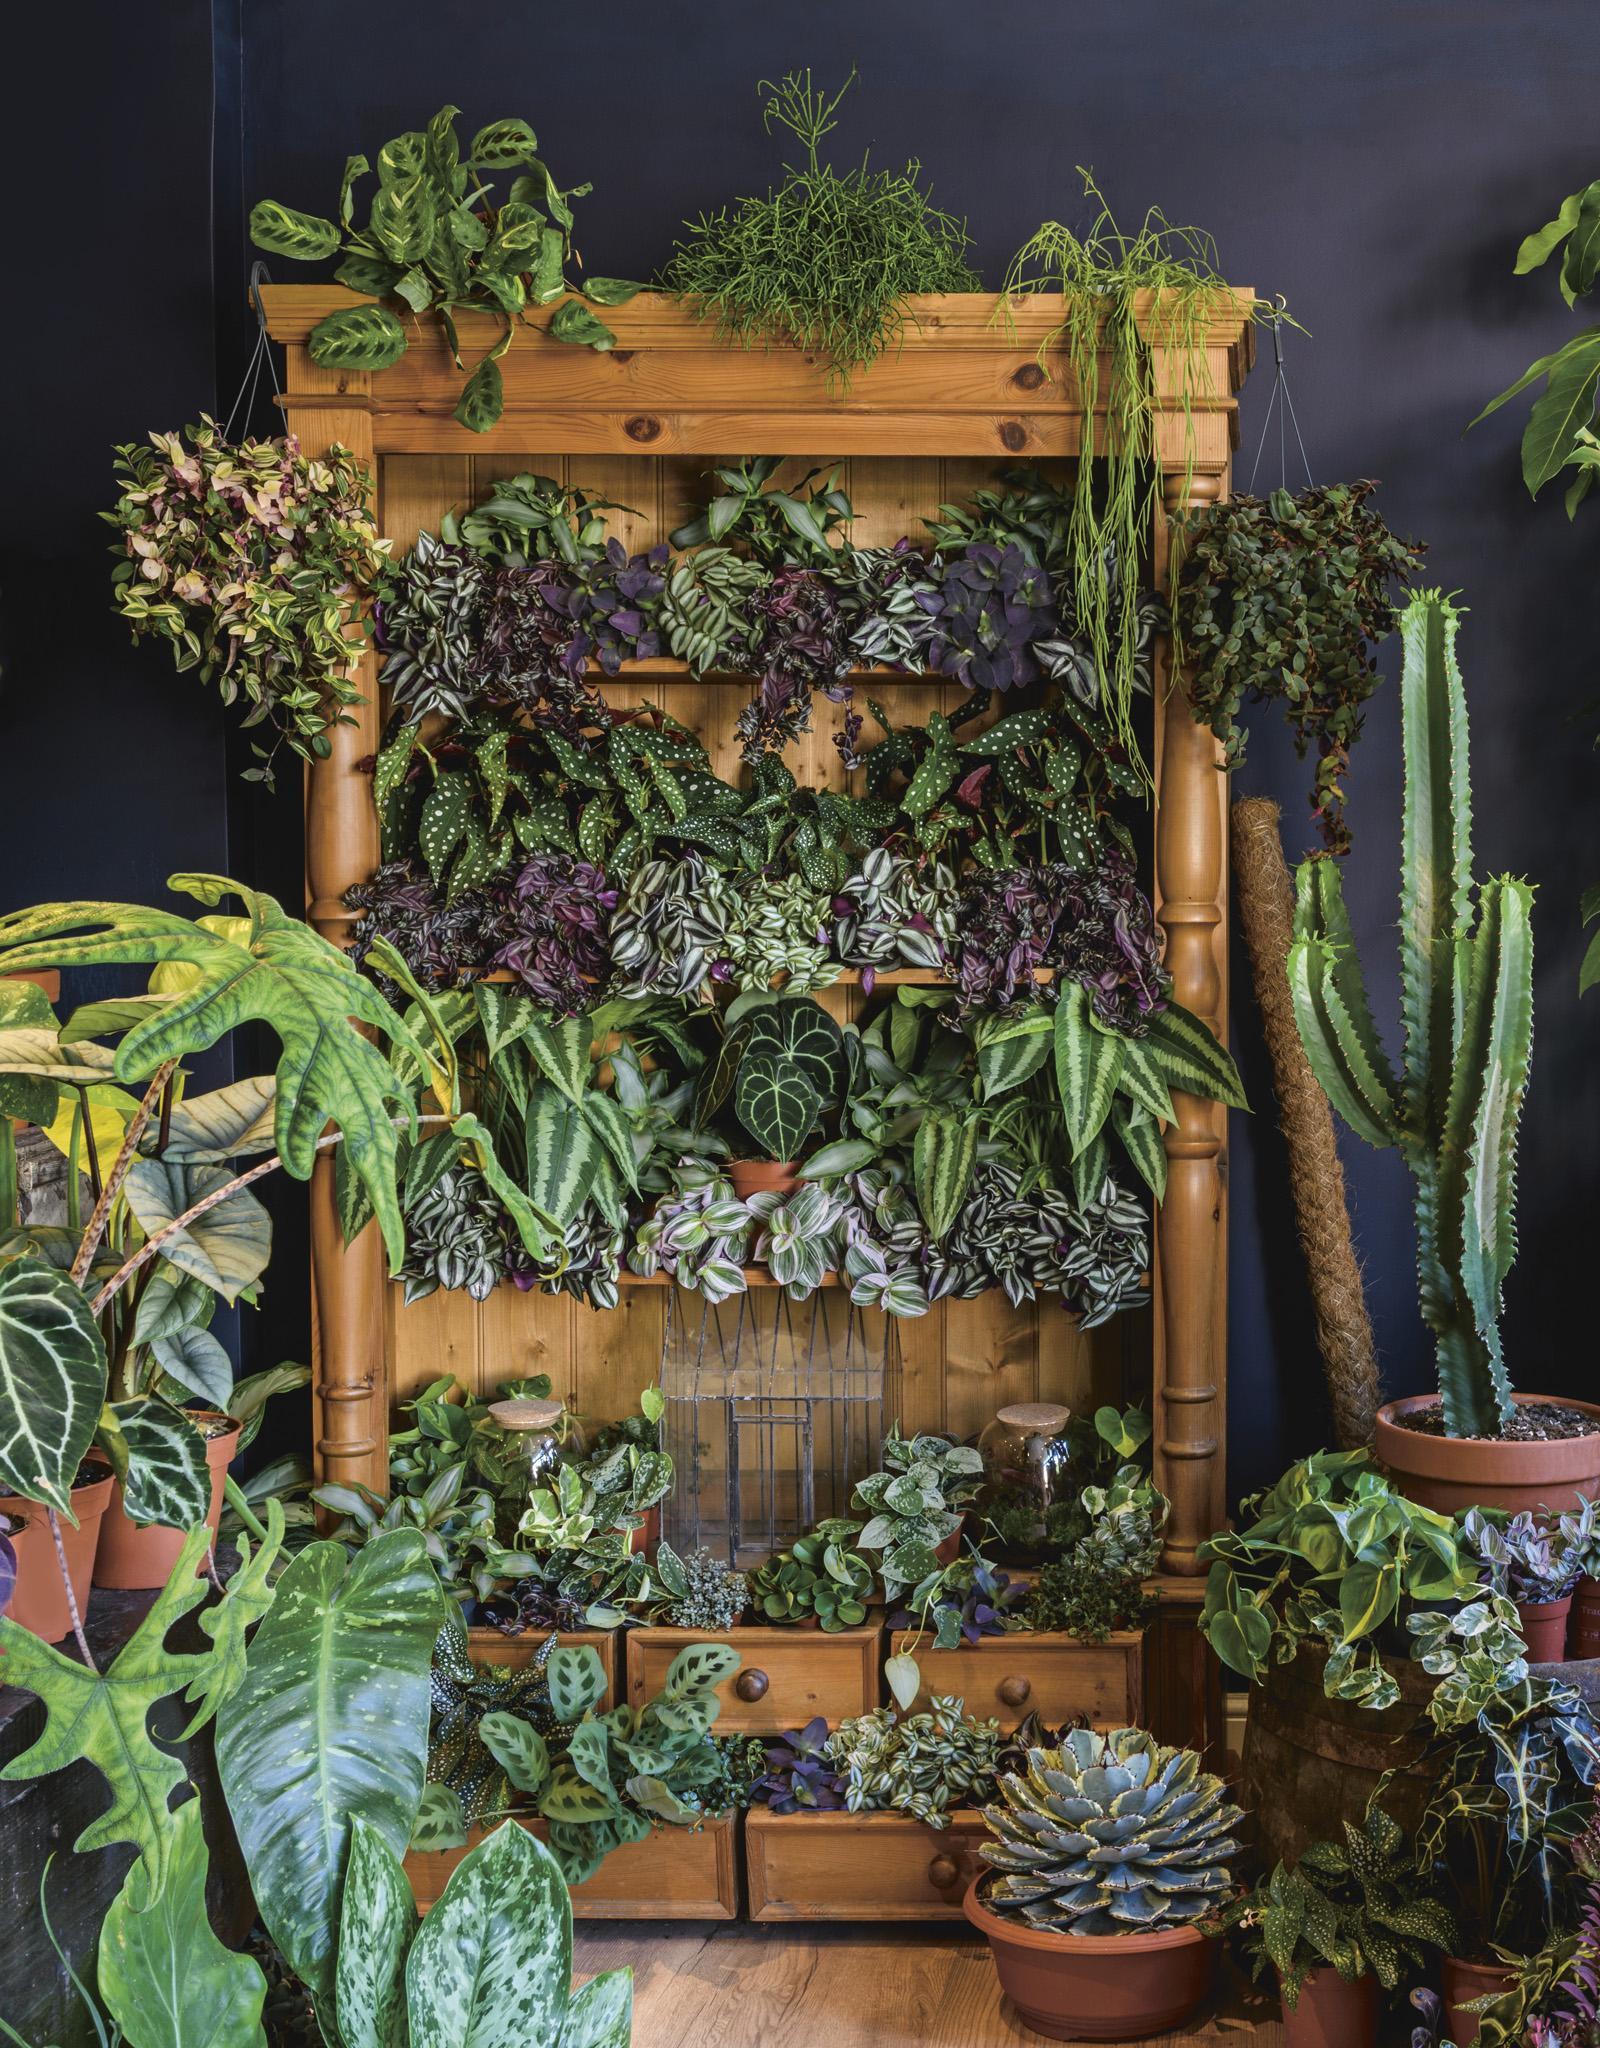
<point>1375,163</point>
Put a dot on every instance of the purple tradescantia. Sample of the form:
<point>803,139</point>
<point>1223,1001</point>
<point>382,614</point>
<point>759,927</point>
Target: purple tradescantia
<point>8,1563</point>
<point>441,943</point>
<point>558,915</point>
<point>614,605</point>
<point>798,1774</point>
<point>799,642</point>
<point>991,607</point>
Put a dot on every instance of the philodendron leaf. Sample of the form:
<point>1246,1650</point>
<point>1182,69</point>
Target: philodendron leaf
<point>905,1679</point>
<point>52,1382</point>
<point>377,1924</point>
<point>227,1247</point>
<point>165,1978</point>
<point>491,1966</point>
<point>330,1722</point>
<point>161,1460</point>
<point>267,968</point>
<point>228,1623</point>
<point>103,1717</point>
<point>357,338</point>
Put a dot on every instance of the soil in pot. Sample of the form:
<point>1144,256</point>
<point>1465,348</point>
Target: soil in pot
<point>1087,1987</point>
<point>1463,1983</point>
<point>39,1600</point>
<point>1544,1628</point>
<point>1331,2013</point>
<point>763,1177</point>
<point>133,1559</point>
<point>1550,1465</point>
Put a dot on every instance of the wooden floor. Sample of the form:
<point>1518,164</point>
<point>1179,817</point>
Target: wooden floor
<point>730,1985</point>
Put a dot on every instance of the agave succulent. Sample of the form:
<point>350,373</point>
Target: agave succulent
<point>1109,1833</point>
<point>427,629</point>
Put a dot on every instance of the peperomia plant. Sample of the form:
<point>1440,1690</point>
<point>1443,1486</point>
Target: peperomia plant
<point>433,243</point>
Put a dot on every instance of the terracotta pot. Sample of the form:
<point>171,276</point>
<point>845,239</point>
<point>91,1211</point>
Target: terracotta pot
<point>39,1600</point>
<point>1331,2013</point>
<point>132,1559</point>
<point>1464,1982</point>
<point>1544,1628</point>
<point>763,1176</point>
<point>1449,1473</point>
<point>950,1549</point>
<point>1088,1987</point>
<point>648,1534</point>
<point>1583,1625</point>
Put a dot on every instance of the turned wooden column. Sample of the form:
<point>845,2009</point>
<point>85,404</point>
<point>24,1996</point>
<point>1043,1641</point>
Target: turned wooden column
<point>347,1282</point>
<point>1191,1232</point>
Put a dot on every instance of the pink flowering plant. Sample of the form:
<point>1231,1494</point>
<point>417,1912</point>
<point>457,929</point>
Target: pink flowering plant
<point>256,562</point>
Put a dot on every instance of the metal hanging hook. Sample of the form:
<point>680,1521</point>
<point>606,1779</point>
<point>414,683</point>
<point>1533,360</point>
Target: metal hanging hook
<point>1282,403</point>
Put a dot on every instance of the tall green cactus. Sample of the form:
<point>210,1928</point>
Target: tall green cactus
<point>1466,1002</point>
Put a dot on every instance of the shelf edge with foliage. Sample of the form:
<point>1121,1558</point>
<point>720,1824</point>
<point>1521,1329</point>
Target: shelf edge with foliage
<point>965,393</point>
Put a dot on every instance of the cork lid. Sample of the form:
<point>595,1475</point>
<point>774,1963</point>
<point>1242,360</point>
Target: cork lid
<point>517,1415</point>
<point>1035,1415</point>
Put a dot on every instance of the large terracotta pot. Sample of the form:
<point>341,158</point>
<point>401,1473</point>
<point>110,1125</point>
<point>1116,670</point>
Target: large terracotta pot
<point>1331,2013</point>
<point>1311,1763</point>
<point>1464,1982</point>
<point>1544,1628</point>
<point>763,1176</point>
<point>39,1600</point>
<point>1449,1473</point>
<point>1087,1987</point>
<point>132,1559</point>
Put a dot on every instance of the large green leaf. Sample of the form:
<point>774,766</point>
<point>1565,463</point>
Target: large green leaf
<point>1088,1064</point>
<point>281,231</point>
<point>228,1623</point>
<point>776,1102</point>
<point>1011,1049</point>
<point>227,1247</point>
<point>229,1123</point>
<point>492,1964</point>
<point>563,1153</point>
<point>803,1033</point>
<point>269,969</point>
<point>1565,407</point>
<point>357,338</point>
<point>198,1362</point>
<point>943,1156</point>
<point>377,1924</point>
<point>600,2014</point>
<point>52,1382</point>
<point>559,1051</point>
<point>103,1717</point>
<point>1191,1057</point>
<point>165,1978</point>
<point>330,1722</point>
<point>161,1460</point>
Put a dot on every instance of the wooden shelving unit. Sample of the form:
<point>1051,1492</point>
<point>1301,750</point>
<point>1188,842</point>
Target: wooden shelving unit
<point>964,398</point>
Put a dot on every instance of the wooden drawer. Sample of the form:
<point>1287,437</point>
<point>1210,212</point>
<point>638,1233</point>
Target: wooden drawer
<point>859,1866</point>
<point>1054,1676</point>
<point>786,1676</point>
<point>673,1874</point>
<point>489,1646</point>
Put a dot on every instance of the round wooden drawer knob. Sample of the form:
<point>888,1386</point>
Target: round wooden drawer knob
<point>943,1872</point>
<point>1013,1691</point>
<point>751,1685</point>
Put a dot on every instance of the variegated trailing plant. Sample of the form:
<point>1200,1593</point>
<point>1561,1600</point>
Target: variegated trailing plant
<point>436,242</point>
<point>1453,1109</point>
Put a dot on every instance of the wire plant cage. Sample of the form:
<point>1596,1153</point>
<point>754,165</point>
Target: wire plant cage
<point>775,1410</point>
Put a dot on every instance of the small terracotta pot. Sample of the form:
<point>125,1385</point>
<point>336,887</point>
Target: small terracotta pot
<point>39,1600</point>
<point>1449,1473</point>
<point>1464,1982</point>
<point>1331,2013</point>
<point>1583,1624</point>
<point>1091,1987</point>
<point>950,1549</point>
<point>1544,1628</point>
<point>763,1176</point>
<point>648,1534</point>
<point>132,1559</point>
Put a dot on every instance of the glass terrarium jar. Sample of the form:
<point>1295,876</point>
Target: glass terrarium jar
<point>538,1438</point>
<point>1027,1464</point>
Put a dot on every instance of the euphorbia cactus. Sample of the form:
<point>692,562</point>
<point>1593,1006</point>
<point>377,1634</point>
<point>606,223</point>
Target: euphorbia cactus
<point>1466,999</point>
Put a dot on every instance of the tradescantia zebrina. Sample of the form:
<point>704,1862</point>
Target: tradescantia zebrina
<point>435,241</point>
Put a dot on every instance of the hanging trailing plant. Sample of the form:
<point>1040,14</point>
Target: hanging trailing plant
<point>256,563</point>
<point>1286,597</point>
<point>825,261</point>
<point>433,243</point>
<point>1123,298</point>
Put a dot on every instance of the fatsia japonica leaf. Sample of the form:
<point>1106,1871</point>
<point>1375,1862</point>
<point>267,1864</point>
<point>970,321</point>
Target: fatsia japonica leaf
<point>267,968</point>
<point>227,1247</point>
<point>166,1979</point>
<point>103,1717</point>
<point>160,1458</point>
<point>330,1722</point>
<point>52,1382</point>
<point>377,1924</point>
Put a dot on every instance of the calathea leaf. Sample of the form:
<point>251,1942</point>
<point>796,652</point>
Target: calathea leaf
<point>519,1749</point>
<point>377,1925</point>
<point>161,1460</point>
<point>1009,1051</point>
<point>330,1722</point>
<point>502,145</point>
<point>52,1382</point>
<point>943,1156</point>
<point>482,398</point>
<point>573,322</point>
<point>577,1680</point>
<point>1088,1063</point>
<point>357,338</point>
<point>305,237</point>
<point>533,1227</point>
<point>1141,1140</point>
<point>102,1717</point>
<point>165,1978</point>
<point>610,291</point>
<point>440,1822</point>
<point>491,1966</point>
<point>227,1247</point>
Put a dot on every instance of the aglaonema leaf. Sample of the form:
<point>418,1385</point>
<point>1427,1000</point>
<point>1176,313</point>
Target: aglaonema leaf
<point>377,1924</point>
<point>492,1964</point>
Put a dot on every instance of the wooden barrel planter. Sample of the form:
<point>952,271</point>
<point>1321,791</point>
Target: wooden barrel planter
<point>1311,1763</point>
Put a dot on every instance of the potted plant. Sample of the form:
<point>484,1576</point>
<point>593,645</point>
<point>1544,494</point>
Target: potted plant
<point>779,1065</point>
<point>1535,1566</point>
<point>1087,1946</point>
<point>1453,1109</point>
<point>703,1592</point>
<point>1348,1920</point>
<point>820,1581</point>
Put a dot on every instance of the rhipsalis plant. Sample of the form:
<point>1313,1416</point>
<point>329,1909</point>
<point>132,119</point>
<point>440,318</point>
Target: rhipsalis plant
<point>1466,999</point>
<point>434,243</point>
